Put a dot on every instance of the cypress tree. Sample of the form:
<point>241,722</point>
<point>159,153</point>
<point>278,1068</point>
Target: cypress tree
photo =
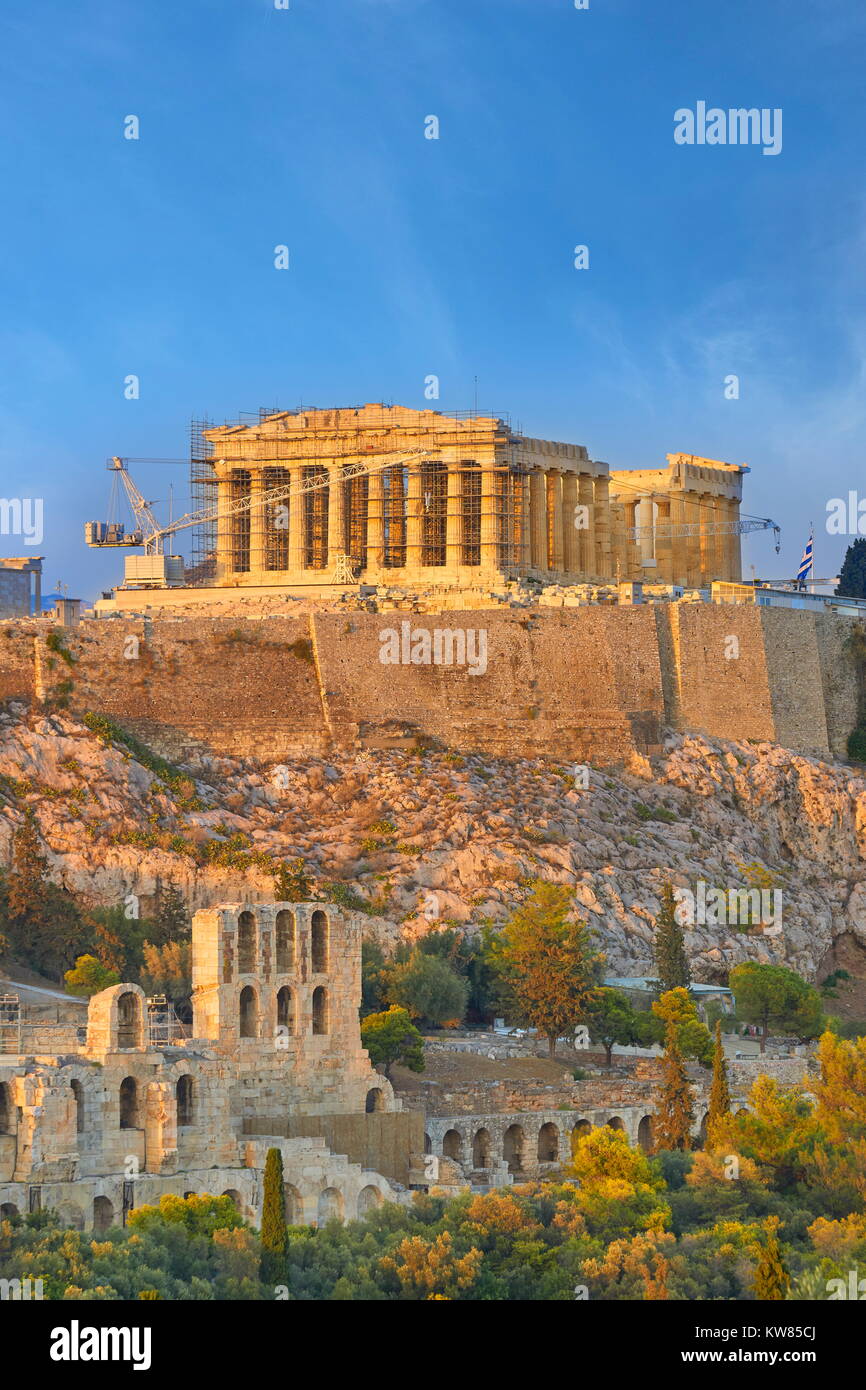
<point>852,575</point>
<point>669,950</point>
<point>274,1234</point>
<point>772,1280</point>
<point>675,1113</point>
<point>720,1096</point>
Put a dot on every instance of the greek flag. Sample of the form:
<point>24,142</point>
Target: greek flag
<point>805,563</point>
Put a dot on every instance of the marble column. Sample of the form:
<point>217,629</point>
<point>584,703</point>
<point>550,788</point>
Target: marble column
<point>570,535</point>
<point>454,517</point>
<point>554,511</point>
<point>257,522</point>
<point>601,515</point>
<point>538,519</point>
<point>414,517</point>
<point>375,523</point>
<point>586,549</point>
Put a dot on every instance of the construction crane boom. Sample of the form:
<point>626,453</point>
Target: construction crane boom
<point>152,536</point>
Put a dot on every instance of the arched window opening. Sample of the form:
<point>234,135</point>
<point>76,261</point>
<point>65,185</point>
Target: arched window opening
<point>285,941</point>
<point>319,943</point>
<point>375,1101</point>
<point>184,1093</point>
<point>285,1011</point>
<point>320,1010</point>
<point>249,1013</point>
<point>129,1021</point>
<point>129,1103</point>
<point>6,1109</point>
<point>78,1095</point>
<point>247,943</point>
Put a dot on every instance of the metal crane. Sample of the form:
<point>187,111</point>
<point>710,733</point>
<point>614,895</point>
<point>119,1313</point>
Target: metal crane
<point>664,530</point>
<point>152,536</point>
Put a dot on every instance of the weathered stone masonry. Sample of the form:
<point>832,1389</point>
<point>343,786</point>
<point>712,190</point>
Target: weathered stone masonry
<point>275,1061</point>
<point>594,683</point>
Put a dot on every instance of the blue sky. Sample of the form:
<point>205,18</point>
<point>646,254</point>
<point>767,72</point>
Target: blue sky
<point>412,257</point>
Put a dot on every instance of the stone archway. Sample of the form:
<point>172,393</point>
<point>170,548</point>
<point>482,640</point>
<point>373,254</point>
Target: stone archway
<point>481,1149</point>
<point>645,1134</point>
<point>103,1214</point>
<point>514,1148</point>
<point>548,1143</point>
<point>330,1206</point>
<point>369,1198</point>
<point>375,1100</point>
<point>452,1145</point>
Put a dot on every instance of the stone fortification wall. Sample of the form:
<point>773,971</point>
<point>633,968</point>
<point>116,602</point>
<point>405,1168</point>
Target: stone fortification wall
<point>593,684</point>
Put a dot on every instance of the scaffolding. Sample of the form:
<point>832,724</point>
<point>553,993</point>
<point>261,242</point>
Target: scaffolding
<point>164,1028</point>
<point>10,1023</point>
<point>441,508</point>
<point>203,495</point>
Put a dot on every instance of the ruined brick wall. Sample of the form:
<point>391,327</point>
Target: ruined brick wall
<point>17,671</point>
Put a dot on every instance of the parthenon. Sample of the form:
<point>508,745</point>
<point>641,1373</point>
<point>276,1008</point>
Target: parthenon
<point>384,494</point>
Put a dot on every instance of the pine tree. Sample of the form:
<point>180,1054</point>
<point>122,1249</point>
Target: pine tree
<point>669,950</point>
<point>171,920</point>
<point>720,1096</point>
<point>674,1117</point>
<point>44,926</point>
<point>852,575</point>
<point>274,1234</point>
<point>772,1280</point>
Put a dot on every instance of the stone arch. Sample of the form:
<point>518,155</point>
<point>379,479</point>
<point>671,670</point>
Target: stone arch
<point>452,1145</point>
<point>185,1096</point>
<point>481,1149</point>
<point>548,1143</point>
<point>103,1214</point>
<point>513,1148</point>
<point>580,1129</point>
<point>293,1205</point>
<point>319,942</point>
<point>129,1103</point>
<point>7,1109</point>
<point>68,1214</point>
<point>77,1090</point>
<point>369,1198</point>
<point>375,1100</point>
<point>7,1211</point>
<point>330,1205</point>
<point>130,1021</point>
<point>285,941</point>
<point>428,1144</point>
<point>286,1010</point>
<point>234,1196</point>
<point>248,1013</point>
<point>615,1123</point>
<point>321,1010</point>
<point>645,1134</point>
<point>247,944</point>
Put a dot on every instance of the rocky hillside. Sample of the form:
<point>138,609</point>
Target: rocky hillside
<point>430,837</point>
